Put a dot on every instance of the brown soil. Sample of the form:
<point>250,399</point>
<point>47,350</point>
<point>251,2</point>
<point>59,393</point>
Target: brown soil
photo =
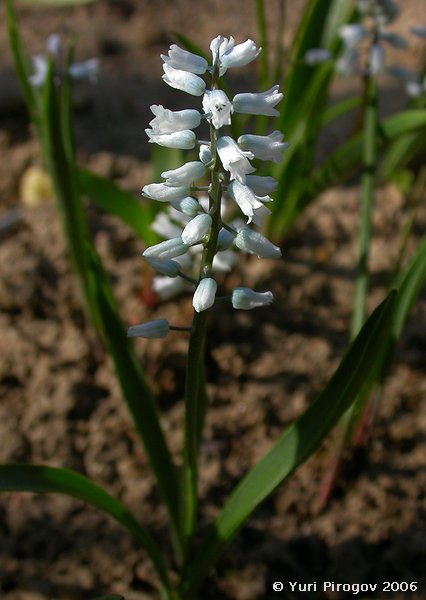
<point>60,403</point>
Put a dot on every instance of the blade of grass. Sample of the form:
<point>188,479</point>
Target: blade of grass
<point>297,443</point>
<point>41,479</point>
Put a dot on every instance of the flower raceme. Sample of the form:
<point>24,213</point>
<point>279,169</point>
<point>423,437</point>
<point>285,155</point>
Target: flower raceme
<point>199,243</point>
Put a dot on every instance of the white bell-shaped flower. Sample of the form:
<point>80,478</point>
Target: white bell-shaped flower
<point>258,104</point>
<point>88,69</point>
<point>158,328</point>
<point>351,34</point>
<point>185,175</point>
<point>376,59</point>
<point>40,68</point>
<point>167,249</point>
<point>234,159</point>
<point>205,294</point>
<point>265,147</point>
<point>182,140</point>
<point>254,242</point>
<point>184,60</point>
<point>247,299</point>
<point>217,108</point>
<point>316,56</point>
<point>246,199</point>
<point>164,192</point>
<point>261,186</point>
<point>167,267</point>
<point>183,80</point>
<point>197,229</point>
<point>205,154</point>
<point>223,261</point>
<point>169,121</point>
<point>231,55</point>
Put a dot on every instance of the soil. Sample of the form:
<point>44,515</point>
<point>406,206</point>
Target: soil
<point>60,403</point>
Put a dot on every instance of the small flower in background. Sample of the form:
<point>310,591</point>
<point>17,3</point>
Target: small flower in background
<point>88,69</point>
<point>198,244</point>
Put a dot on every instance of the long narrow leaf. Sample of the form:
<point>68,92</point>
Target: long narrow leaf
<point>298,442</point>
<point>339,167</point>
<point>41,479</point>
<point>21,60</point>
<point>110,198</point>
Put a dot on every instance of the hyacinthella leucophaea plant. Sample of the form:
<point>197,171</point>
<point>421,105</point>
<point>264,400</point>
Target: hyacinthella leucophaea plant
<point>226,162</point>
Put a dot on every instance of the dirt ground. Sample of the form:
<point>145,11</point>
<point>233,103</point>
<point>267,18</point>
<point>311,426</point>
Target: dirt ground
<point>61,405</point>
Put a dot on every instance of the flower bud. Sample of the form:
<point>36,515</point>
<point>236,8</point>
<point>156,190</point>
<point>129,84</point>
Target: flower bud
<point>183,140</point>
<point>153,329</point>
<point>205,294</point>
<point>167,267</point>
<point>316,56</point>
<point>167,249</point>
<point>182,80</point>
<point>184,60</point>
<point>89,69</point>
<point>186,174</point>
<point>188,206</point>
<point>225,239</point>
<point>205,154</point>
<point>247,299</point>
<point>164,193</point>
<point>265,147</point>
<point>197,229</point>
<point>258,104</point>
<point>376,59</point>
<point>254,242</point>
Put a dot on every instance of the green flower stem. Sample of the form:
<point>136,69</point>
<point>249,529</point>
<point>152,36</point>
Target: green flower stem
<point>367,198</point>
<point>195,394</point>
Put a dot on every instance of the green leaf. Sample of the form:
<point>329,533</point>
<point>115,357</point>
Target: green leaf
<point>21,60</point>
<point>298,442</point>
<point>340,166</point>
<point>409,288</point>
<point>41,479</point>
<point>108,197</point>
<point>340,108</point>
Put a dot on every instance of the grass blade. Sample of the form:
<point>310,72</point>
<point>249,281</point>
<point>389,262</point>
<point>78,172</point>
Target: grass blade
<point>108,197</point>
<point>298,442</point>
<point>41,479</point>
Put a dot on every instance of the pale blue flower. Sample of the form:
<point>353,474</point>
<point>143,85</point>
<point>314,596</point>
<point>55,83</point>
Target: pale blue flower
<point>254,242</point>
<point>164,193</point>
<point>184,81</point>
<point>217,108</point>
<point>197,229</point>
<point>265,147</point>
<point>247,299</point>
<point>185,175</point>
<point>152,329</point>
<point>184,60</point>
<point>168,121</point>
<point>167,249</point>
<point>183,140</point>
<point>258,104</point>
<point>234,159</point>
<point>205,294</point>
